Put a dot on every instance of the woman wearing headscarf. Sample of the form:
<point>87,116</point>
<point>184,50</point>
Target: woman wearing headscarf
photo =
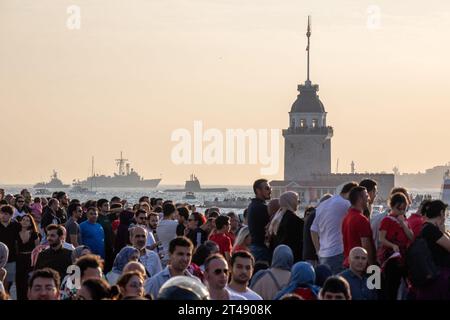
<point>4,252</point>
<point>267,283</point>
<point>125,255</point>
<point>301,282</point>
<point>286,227</point>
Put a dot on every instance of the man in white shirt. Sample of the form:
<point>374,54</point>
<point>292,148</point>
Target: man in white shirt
<point>326,229</point>
<point>167,230</point>
<point>242,263</point>
<point>216,277</point>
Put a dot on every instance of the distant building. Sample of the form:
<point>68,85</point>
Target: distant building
<point>307,150</point>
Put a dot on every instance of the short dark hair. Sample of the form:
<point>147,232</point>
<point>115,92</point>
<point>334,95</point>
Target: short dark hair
<point>424,206</point>
<point>369,184</point>
<point>242,254</point>
<point>355,194</point>
<point>184,212</point>
<point>115,198</point>
<point>158,209</point>
<point>180,242</point>
<point>336,284</point>
<point>89,261</point>
<point>143,199</point>
<point>397,199</point>
<point>59,229</point>
<point>60,194</point>
<point>257,184</point>
<point>211,258</point>
<point>221,221</point>
<point>168,209</point>
<point>101,202</point>
<point>71,208</point>
<point>7,209</point>
<point>349,186</point>
<point>139,211</point>
<point>52,201</point>
<point>434,209</point>
<point>245,213</point>
<point>47,273</point>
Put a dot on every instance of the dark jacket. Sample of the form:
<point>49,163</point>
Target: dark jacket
<point>290,233</point>
<point>258,218</point>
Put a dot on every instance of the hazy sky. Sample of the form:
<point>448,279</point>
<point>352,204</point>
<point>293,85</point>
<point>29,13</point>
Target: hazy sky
<point>137,70</point>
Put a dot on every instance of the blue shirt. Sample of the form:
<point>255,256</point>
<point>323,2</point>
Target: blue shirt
<point>93,236</point>
<point>358,286</point>
<point>153,284</point>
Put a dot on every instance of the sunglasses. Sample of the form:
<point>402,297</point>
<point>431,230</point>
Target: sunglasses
<point>220,271</point>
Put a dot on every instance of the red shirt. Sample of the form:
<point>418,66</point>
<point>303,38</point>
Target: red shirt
<point>223,241</point>
<point>394,232</point>
<point>354,227</point>
<point>415,223</point>
<point>231,236</point>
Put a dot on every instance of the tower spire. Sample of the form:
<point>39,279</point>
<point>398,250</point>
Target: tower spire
<point>308,34</point>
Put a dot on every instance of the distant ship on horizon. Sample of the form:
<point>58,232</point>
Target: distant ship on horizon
<point>193,185</point>
<point>125,178</point>
<point>54,183</point>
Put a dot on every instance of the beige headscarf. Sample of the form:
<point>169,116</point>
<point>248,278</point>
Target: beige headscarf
<point>288,202</point>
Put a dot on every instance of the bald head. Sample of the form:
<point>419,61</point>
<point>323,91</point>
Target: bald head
<point>138,237</point>
<point>135,266</point>
<point>358,260</point>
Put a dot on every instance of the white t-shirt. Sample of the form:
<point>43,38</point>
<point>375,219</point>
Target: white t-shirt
<point>249,294</point>
<point>167,231</point>
<point>375,222</point>
<point>328,224</point>
<point>234,296</point>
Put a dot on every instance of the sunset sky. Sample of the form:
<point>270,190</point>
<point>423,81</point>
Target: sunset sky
<point>137,70</point>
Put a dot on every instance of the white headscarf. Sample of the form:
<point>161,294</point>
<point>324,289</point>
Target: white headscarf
<point>288,202</point>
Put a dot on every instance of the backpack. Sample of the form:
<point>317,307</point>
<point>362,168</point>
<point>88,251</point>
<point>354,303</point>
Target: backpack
<point>420,264</point>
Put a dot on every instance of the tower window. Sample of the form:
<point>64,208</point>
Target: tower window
<point>302,123</point>
<point>314,123</point>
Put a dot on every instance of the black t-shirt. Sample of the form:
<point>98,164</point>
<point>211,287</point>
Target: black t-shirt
<point>258,218</point>
<point>9,235</point>
<point>431,234</point>
<point>180,229</point>
<point>193,235</point>
<point>29,245</point>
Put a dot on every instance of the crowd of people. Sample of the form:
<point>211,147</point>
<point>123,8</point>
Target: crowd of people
<point>62,249</point>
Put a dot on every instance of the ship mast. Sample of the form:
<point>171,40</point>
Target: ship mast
<point>120,163</point>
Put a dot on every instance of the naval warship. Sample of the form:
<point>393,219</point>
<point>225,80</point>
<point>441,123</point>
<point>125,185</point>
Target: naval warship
<point>54,183</point>
<point>126,177</point>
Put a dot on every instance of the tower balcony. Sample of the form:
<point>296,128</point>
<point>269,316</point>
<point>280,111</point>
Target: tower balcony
<point>323,131</point>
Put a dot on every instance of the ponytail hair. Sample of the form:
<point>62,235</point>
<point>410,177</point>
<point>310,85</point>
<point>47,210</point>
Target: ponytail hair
<point>100,289</point>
